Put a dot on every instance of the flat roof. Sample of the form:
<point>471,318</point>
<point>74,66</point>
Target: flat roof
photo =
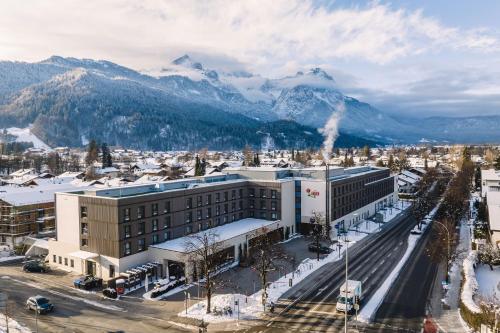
<point>225,232</point>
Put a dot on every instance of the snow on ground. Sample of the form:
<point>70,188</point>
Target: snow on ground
<point>251,306</point>
<point>10,258</point>
<point>470,284</point>
<point>488,281</point>
<point>25,135</point>
<point>14,326</point>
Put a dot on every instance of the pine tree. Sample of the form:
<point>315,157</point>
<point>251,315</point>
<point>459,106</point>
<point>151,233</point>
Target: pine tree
<point>293,155</point>
<point>426,166</point>
<point>107,160</point>
<point>197,167</point>
<point>496,165</point>
<point>256,161</point>
<point>390,163</point>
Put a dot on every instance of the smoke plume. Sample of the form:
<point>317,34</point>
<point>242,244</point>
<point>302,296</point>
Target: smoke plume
<point>331,130</point>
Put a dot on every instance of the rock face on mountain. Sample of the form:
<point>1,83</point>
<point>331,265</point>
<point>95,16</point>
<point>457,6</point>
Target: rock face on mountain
<point>187,106</point>
<point>69,101</point>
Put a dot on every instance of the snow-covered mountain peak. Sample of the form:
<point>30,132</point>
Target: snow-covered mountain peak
<point>186,61</point>
<point>320,73</point>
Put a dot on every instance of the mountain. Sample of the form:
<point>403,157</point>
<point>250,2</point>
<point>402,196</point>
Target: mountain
<point>69,101</point>
<point>185,105</point>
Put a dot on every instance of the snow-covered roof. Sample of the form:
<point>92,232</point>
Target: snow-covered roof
<point>20,196</point>
<point>225,233</point>
<point>411,175</point>
<point>406,179</point>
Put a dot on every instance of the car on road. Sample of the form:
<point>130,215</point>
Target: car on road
<point>321,248</point>
<point>37,266</point>
<point>416,230</point>
<point>39,304</point>
<point>87,282</point>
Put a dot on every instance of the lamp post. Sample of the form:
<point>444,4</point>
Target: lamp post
<point>448,248</point>
<point>346,281</point>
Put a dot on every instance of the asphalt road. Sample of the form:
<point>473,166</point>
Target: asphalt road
<point>77,312</point>
<point>405,304</point>
<point>310,307</point>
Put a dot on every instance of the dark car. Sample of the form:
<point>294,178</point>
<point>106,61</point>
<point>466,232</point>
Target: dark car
<point>87,282</point>
<point>39,304</point>
<point>35,266</point>
<point>321,248</point>
<point>110,293</point>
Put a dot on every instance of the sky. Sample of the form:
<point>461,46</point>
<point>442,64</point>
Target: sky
<point>416,58</point>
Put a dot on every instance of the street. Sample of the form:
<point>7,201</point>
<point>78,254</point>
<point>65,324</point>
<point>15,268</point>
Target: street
<point>311,305</point>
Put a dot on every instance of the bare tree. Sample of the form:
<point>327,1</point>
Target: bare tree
<point>204,250</point>
<point>318,231</point>
<point>266,255</point>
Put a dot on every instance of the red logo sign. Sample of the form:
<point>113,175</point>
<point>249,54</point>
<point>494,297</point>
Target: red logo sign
<point>312,193</point>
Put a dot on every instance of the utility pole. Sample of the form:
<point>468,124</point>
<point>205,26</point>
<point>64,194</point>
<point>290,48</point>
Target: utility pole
<point>346,281</point>
<point>327,198</point>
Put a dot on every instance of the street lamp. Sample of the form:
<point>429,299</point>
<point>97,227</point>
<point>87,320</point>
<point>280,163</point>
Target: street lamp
<point>346,281</point>
<point>448,249</point>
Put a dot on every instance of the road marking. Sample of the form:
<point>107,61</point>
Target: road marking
<point>322,312</point>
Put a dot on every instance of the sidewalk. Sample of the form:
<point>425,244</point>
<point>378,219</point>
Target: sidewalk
<point>444,308</point>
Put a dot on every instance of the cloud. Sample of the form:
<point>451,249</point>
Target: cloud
<point>264,35</point>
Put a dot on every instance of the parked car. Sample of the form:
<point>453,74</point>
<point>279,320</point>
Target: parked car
<point>35,266</point>
<point>321,248</point>
<point>416,230</point>
<point>39,304</point>
<point>110,293</point>
<point>87,282</point>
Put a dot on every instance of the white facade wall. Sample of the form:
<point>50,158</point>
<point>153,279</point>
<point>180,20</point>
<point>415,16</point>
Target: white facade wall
<point>312,199</point>
<point>288,205</point>
<point>67,218</point>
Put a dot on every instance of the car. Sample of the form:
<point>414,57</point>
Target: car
<point>87,282</point>
<point>416,231</point>
<point>321,248</point>
<point>37,266</point>
<point>39,304</point>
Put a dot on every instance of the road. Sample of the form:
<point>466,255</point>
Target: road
<point>78,312</point>
<point>310,307</point>
<point>405,304</point>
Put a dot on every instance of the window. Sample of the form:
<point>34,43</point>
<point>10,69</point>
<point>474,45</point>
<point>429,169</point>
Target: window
<point>240,215</point>
<point>127,232</point>
<point>155,225</point>
<point>274,216</point>
<point>60,260</point>
<point>233,206</point>
<point>167,222</point>
<point>200,226</point>
<point>199,214</point>
<point>142,228</point>
<point>273,205</point>
<point>252,213</point>
<point>226,196</point>
<point>111,271</point>
<point>251,204</point>
<point>83,212</point>
<point>84,229</point>
<point>189,203</point>
<point>65,261</point>
<point>141,244</point>
<point>154,209</point>
<point>126,214</point>
<point>189,229</point>
<point>189,217</point>
<point>84,242</point>
<point>233,194</point>
<point>140,212</point>
<point>217,197</point>
<point>241,193</point>
<point>263,204</point>
<point>209,199</point>
<point>224,220</point>
<point>71,263</point>
<point>154,239</point>
<point>240,205</point>
<point>166,235</point>
<point>262,193</point>
<point>217,210</point>
<point>217,221</point>
<point>273,194</point>
<point>167,207</point>
<point>54,258</point>
<point>225,208</point>
<point>128,248</point>
<point>199,201</point>
<point>263,215</point>
<point>209,212</point>
<point>233,218</point>
<point>251,192</point>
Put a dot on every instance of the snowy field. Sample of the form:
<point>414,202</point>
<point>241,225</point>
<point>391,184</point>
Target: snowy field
<point>14,326</point>
<point>250,307</point>
<point>25,135</point>
<point>488,281</point>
